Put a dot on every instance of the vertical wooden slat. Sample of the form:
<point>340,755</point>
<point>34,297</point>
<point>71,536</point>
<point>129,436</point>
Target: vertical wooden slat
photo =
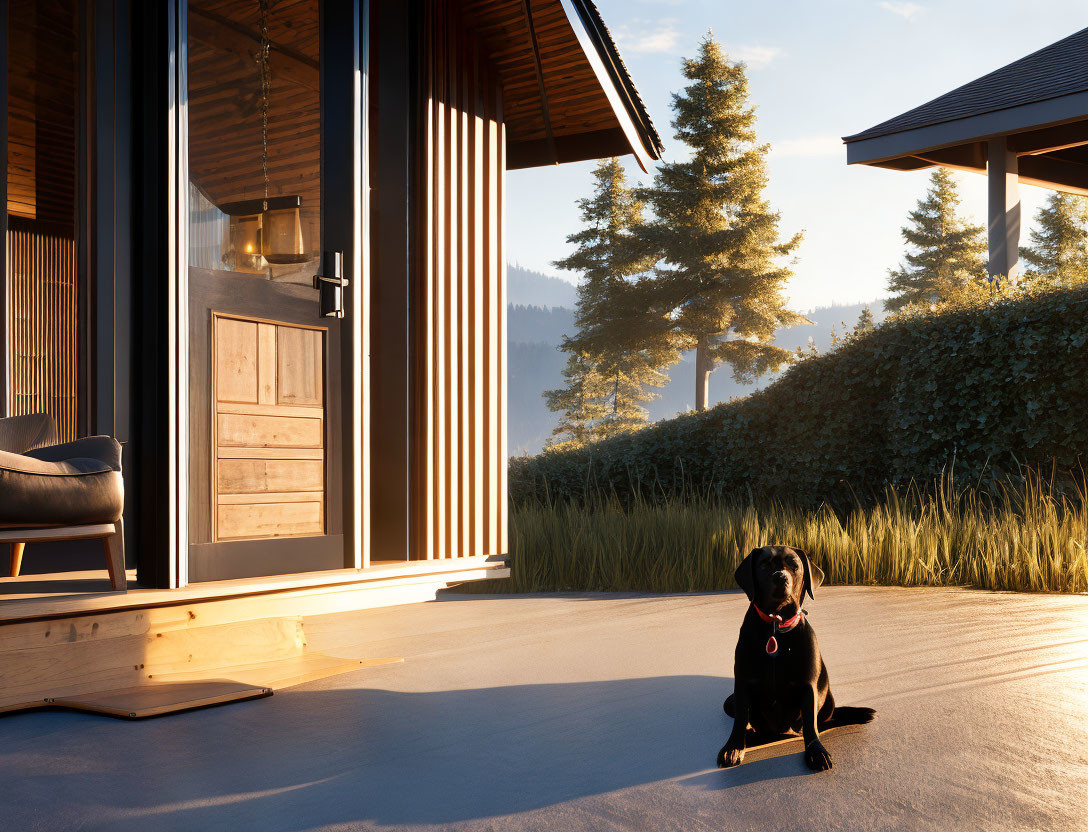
<point>42,321</point>
<point>476,331</point>
<point>500,473</point>
<point>461,412</point>
<point>427,436</point>
<point>442,161</point>
<point>452,461</point>
<point>492,351</point>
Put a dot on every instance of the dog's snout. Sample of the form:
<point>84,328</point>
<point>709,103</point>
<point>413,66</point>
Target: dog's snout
<point>781,576</point>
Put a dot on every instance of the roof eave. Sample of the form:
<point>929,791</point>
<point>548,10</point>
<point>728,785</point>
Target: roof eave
<point>875,150</point>
<point>639,142</point>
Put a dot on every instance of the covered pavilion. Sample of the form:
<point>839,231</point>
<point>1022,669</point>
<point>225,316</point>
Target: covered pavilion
<point>1025,122</point>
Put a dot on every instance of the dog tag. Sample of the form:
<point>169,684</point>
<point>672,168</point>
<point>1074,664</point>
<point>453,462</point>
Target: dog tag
<point>772,646</point>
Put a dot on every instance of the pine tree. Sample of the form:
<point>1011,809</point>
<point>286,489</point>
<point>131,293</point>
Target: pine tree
<point>617,354</point>
<point>580,403</point>
<point>865,323</point>
<point>1058,255</point>
<point>948,255</point>
<point>720,277</point>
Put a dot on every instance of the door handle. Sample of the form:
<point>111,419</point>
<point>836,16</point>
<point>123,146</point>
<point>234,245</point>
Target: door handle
<point>330,283</point>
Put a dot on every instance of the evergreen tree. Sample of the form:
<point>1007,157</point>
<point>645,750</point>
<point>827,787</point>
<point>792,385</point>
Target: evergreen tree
<point>720,277</point>
<point>1058,255</point>
<point>616,356</point>
<point>580,403</point>
<point>948,255</point>
<point>865,323</point>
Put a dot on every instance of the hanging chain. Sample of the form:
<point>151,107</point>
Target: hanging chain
<point>265,70</point>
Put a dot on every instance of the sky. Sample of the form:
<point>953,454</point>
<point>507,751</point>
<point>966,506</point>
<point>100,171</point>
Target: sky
<point>818,70</point>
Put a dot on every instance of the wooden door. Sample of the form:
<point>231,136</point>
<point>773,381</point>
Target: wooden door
<point>265,405</point>
<point>269,430</point>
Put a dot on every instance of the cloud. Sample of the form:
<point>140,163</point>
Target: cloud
<point>756,57</point>
<point>647,37</point>
<point>804,147</point>
<point>904,10</point>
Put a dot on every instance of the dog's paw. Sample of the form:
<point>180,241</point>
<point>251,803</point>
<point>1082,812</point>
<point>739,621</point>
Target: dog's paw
<point>817,758</point>
<point>730,756</point>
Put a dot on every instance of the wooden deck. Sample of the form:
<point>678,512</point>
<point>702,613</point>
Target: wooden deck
<point>114,652</point>
<point>32,597</point>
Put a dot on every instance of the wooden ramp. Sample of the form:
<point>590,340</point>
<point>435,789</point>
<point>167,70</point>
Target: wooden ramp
<point>178,692</point>
<point>171,692</point>
<point>159,651</point>
<point>792,745</point>
<point>155,700</point>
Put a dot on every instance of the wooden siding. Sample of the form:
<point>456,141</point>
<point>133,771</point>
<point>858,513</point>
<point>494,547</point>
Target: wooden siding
<point>553,112</point>
<point>42,105</point>
<point>41,253</point>
<point>43,315</point>
<point>459,395</point>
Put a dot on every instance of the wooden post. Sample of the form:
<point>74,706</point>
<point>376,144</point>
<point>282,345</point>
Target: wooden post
<point>703,366</point>
<point>114,547</point>
<point>16,558</point>
<point>1004,209</point>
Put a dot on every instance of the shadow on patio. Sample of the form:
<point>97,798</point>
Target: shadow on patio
<point>342,756</point>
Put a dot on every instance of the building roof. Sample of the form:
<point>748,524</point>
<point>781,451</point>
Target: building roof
<point>606,46</point>
<point>567,95</point>
<point>1056,70</point>
<point>1037,107</point>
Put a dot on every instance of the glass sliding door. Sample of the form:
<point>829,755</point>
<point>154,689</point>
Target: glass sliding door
<point>265,405</point>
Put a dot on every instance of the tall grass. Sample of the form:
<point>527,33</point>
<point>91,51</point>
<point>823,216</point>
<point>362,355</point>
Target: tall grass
<point>1020,536</point>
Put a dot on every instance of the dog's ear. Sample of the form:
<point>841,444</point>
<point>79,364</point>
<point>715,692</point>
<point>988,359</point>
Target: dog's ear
<point>745,576</point>
<point>814,575</point>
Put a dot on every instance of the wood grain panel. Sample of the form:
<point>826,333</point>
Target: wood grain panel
<point>263,497</point>
<point>270,453</point>
<point>266,368</point>
<point>299,362</point>
<point>236,360</point>
<point>269,430</point>
<point>302,411</point>
<point>235,522</point>
<point>243,430</point>
<point>250,476</point>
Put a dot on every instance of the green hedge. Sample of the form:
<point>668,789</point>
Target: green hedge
<point>984,390</point>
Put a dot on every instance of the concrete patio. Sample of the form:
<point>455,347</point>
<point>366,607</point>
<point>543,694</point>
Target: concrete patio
<point>599,712</point>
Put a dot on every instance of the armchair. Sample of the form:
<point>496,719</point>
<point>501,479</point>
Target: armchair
<point>66,491</point>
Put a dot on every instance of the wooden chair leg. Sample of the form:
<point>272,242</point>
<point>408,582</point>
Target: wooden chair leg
<point>16,558</point>
<point>115,556</point>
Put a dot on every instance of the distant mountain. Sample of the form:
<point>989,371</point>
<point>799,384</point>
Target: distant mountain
<point>533,369</point>
<point>534,324</point>
<point>839,316</point>
<point>536,328</point>
<point>525,287</point>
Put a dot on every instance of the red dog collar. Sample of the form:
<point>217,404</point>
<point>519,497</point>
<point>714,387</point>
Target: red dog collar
<point>780,626</point>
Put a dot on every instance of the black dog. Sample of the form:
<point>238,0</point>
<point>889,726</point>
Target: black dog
<point>781,683</point>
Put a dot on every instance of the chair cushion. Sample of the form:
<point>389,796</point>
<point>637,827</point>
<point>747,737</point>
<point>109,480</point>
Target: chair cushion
<point>58,491</point>
<point>19,434</point>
